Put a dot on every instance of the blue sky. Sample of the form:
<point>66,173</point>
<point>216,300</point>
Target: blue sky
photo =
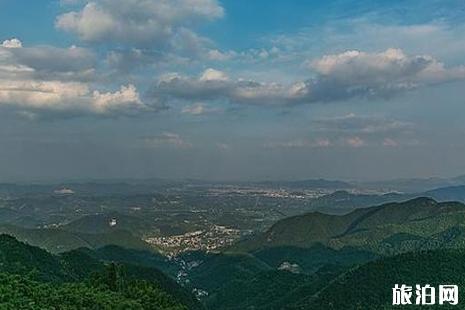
<point>231,89</point>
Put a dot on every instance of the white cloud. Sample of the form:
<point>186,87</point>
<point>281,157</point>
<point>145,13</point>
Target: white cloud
<point>12,43</point>
<point>166,139</point>
<point>390,142</point>
<point>198,109</point>
<point>343,141</point>
<point>145,32</point>
<point>218,55</point>
<point>339,77</point>
<point>195,109</point>
<point>213,75</point>
<point>40,94</point>
<point>361,124</point>
<point>216,85</point>
<point>45,62</point>
<point>40,79</point>
<point>359,74</point>
<point>355,142</point>
<point>72,97</point>
<point>300,143</point>
<point>126,97</point>
<point>429,38</point>
<point>139,22</point>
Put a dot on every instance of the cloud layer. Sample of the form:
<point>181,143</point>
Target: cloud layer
<point>339,77</point>
<point>359,74</point>
<point>44,78</point>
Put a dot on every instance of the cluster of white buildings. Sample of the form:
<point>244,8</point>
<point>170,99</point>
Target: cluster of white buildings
<point>207,240</point>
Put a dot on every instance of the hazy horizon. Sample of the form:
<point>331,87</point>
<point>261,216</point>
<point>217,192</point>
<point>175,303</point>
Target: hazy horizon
<point>129,180</point>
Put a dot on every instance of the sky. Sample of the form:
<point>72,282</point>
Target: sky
<point>231,89</point>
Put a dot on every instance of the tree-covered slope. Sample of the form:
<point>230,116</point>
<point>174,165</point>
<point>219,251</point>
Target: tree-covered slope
<point>20,292</point>
<point>366,286</point>
<point>309,260</point>
<point>370,286</point>
<point>35,279</point>
<point>391,228</point>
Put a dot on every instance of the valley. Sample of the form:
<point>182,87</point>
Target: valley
<point>270,247</point>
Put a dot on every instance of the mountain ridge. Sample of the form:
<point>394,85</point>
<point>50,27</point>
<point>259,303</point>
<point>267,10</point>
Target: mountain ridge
<point>359,227</point>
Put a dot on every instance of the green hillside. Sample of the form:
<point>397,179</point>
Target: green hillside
<point>309,260</point>
<point>421,223</point>
<point>31,278</point>
<point>214,270</point>
<point>319,261</point>
<point>59,240</point>
<point>369,286</point>
<point>269,290</point>
<point>22,293</point>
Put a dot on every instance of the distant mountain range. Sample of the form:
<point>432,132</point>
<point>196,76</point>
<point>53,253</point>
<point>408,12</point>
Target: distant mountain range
<point>451,193</point>
<point>341,202</point>
<point>421,223</point>
<point>109,187</point>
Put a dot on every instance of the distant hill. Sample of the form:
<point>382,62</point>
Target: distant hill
<point>341,202</point>
<point>309,184</point>
<point>451,193</point>
<point>387,229</point>
<point>59,240</point>
<point>95,188</point>
<point>109,222</point>
<point>414,185</point>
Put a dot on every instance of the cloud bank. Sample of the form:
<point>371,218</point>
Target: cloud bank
<point>337,78</point>
<point>43,79</point>
<point>136,22</point>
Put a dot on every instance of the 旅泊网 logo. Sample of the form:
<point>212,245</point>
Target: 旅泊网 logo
<point>425,295</point>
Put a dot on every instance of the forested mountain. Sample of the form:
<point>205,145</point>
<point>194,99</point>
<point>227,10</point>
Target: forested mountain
<point>421,223</point>
<point>367,286</point>
<point>370,286</point>
<point>32,278</point>
<point>319,261</point>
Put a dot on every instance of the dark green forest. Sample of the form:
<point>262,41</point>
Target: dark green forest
<point>31,278</point>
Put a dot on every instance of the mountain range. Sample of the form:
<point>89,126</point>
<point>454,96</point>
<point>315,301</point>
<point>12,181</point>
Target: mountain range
<point>421,223</point>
